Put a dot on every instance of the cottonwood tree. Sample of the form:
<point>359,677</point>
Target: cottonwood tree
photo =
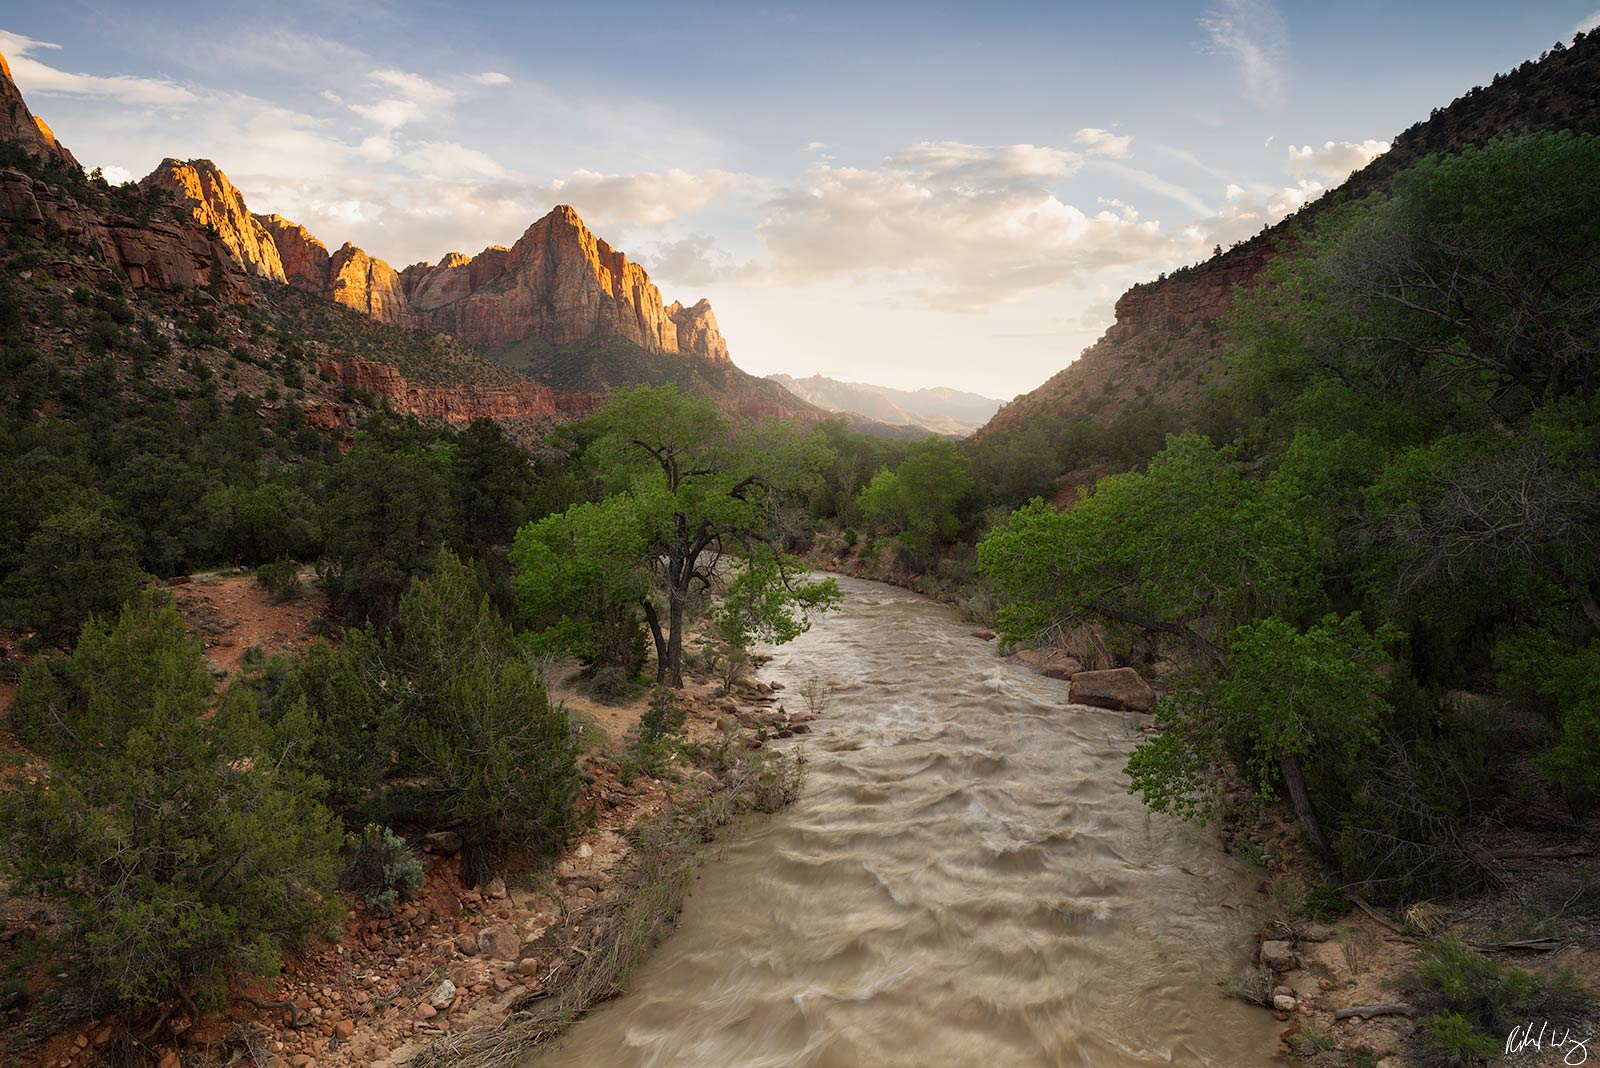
<point>708,500</point>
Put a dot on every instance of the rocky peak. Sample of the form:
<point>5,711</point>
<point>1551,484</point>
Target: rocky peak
<point>304,258</point>
<point>214,202</point>
<point>17,123</point>
<point>369,285</point>
<point>559,283</point>
<point>698,332</point>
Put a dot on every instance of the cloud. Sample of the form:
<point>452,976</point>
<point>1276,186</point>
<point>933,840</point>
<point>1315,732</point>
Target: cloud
<point>1246,212</point>
<point>413,86</point>
<point>1154,183</point>
<point>967,225</point>
<point>492,77</point>
<point>390,114</point>
<point>35,77</point>
<point>1252,33</point>
<point>1589,22</point>
<point>446,159</point>
<point>1335,159</point>
<point>695,260</point>
<point>650,199</point>
<point>1103,142</point>
<point>415,97</point>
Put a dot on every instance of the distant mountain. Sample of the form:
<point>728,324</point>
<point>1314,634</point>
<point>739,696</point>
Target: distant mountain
<point>1166,338</point>
<point>560,306</point>
<point>938,409</point>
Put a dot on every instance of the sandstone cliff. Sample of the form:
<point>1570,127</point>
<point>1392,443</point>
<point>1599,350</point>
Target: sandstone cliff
<point>158,254</point>
<point>697,331</point>
<point>201,187</point>
<point>304,258</point>
<point>1167,336</point>
<point>368,285</point>
<point>19,124</point>
<point>521,401</point>
<point>561,284</point>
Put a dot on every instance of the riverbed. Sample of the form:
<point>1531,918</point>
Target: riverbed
<point>965,880</point>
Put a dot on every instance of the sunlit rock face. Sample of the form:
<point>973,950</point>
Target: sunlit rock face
<point>212,201</point>
<point>17,123</point>
<point>559,283</point>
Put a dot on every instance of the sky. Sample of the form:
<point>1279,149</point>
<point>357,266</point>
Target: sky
<point>908,194</point>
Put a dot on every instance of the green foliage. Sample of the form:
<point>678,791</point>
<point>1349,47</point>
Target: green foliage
<point>78,562</point>
<point>327,716</point>
<point>281,580</point>
<point>183,856</point>
<point>1190,547</point>
<point>763,604</point>
<point>614,685</point>
<point>388,513</point>
<point>699,492</point>
<point>497,760</point>
<point>380,868</point>
<point>1323,904</point>
<point>918,501</point>
<point>1470,1003</point>
<point>580,579</point>
<point>657,736</point>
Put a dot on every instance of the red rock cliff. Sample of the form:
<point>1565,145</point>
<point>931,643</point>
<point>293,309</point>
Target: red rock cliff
<point>212,200</point>
<point>304,258</point>
<point>162,254</point>
<point>516,402</point>
<point>17,123</point>
<point>559,283</point>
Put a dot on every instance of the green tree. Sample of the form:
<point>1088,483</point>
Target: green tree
<point>387,514</point>
<point>703,493</point>
<point>80,561</point>
<point>473,722</point>
<point>918,500</point>
<point>184,858</point>
<point>1280,695</point>
<point>581,580</point>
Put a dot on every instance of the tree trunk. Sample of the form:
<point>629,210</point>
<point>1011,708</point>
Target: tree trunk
<point>1294,779</point>
<point>660,640</point>
<point>675,642</point>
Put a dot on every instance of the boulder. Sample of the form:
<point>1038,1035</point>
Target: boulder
<point>500,943</point>
<point>1278,955</point>
<point>1052,663</point>
<point>1119,689</point>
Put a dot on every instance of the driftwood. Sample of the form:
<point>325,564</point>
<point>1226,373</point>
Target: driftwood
<point>1367,1012</point>
<point>1376,915</point>
<point>1542,945</point>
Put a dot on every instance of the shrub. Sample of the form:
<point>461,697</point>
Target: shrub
<point>613,685</point>
<point>1323,904</point>
<point>1470,1003</point>
<point>79,562</point>
<point>495,758</point>
<point>281,580</point>
<point>183,856</point>
<point>380,868</point>
<point>656,737</point>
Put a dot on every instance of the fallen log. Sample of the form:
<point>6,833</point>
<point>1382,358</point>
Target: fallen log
<point>1367,1012</point>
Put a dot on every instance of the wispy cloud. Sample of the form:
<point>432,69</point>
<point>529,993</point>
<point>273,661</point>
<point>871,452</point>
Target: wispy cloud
<point>36,77</point>
<point>1252,33</point>
<point>1104,142</point>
